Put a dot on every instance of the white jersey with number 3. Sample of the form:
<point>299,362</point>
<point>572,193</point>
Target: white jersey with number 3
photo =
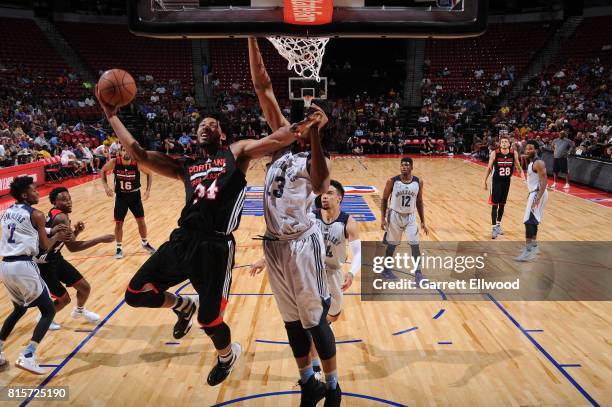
<point>19,236</point>
<point>404,195</point>
<point>288,196</point>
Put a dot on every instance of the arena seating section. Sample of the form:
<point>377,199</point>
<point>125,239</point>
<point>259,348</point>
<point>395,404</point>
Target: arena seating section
<point>230,64</point>
<point>501,45</point>
<point>592,34</point>
<point>105,46</point>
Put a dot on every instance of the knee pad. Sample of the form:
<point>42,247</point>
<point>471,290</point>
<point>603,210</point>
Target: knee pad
<point>324,340</point>
<point>531,230</point>
<point>144,299</point>
<point>220,335</point>
<point>298,339</point>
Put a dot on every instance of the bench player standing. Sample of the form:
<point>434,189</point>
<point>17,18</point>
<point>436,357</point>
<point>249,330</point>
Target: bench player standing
<point>56,271</point>
<point>403,196</point>
<point>201,249</point>
<point>502,163</point>
<point>127,196</point>
<point>293,244</point>
<point>23,233</point>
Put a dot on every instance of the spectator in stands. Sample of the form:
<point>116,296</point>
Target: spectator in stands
<point>40,139</point>
<point>185,143</point>
<point>69,159</point>
<point>101,156</point>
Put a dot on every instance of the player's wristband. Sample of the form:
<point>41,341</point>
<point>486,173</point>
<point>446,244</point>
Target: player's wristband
<point>48,230</point>
<point>356,253</point>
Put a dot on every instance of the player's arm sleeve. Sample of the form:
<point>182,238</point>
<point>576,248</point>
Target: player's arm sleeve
<point>355,244</point>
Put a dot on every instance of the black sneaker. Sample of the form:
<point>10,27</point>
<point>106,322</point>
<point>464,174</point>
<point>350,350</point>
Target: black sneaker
<point>221,370</point>
<point>119,253</point>
<point>313,391</point>
<point>333,397</point>
<point>183,325</point>
<point>149,248</point>
<point>387,274</point>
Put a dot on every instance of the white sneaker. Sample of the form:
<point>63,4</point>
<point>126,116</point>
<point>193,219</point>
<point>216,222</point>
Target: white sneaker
<point>119,253</point>
<point>553,185</point>
<point>521,257</point>
<point>29,364</point>
<point>500,230</point>
<point>148,248</point>
<point>2,359</point>
<point>566,186</point>
<point>53,327</point>
<point>88,315</point>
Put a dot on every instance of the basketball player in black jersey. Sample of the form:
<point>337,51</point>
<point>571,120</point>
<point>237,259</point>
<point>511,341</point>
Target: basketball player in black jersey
<point>59,273</point>
<point>502,162</point>
<point>201,249</point>
<point>127,196</point>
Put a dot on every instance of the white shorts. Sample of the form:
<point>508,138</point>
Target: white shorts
<point>22,281</point>
<point>538,212</point>
<point>334,283</point>
<point>297,277</point>
<point>397,224</point>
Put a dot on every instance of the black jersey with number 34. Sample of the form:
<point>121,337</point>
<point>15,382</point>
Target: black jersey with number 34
<point>127,176</point>
<point>503,166</point>
<point>214,190</point>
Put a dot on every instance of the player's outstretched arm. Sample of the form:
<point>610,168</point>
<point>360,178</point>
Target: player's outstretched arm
<point>263,88</point>
<point>78,245</point>
<point>384,203</point>
<point>489,169</point>
<point>421,208</point>
<point>154,160</point>
<point>246,150</point>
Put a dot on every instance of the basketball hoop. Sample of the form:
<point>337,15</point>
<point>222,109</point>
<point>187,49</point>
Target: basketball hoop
<point>307,101</point>
<point>304,55</point>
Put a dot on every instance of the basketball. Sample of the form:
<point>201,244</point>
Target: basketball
<point>117,87</point>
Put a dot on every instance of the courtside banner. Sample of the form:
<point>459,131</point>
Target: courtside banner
<point>35,170</point>
<point>473,271</point>
<point>308,12</point>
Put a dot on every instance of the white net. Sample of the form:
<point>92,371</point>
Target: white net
<point>305,55</point>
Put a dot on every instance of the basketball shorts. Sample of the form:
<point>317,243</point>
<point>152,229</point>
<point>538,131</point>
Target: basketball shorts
<point>296,271</point>
<point>189,256</point>
<point>59,274</point>
<point>538,212</point>
<point>125,201</point>
<point>560,165</point>
<point>334,283</point>
<point>499,192</point>
<point>397,224</point>
<point>22,281</point>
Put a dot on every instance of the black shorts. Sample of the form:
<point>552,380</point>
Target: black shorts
<point>59,274</point>
<point>560,165</point>
<point>125,201</point>
<point>206,263</point>
<point>499,192</point>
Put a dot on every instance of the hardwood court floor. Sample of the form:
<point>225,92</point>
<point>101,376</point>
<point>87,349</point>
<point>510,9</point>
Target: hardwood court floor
<point>473,353</point>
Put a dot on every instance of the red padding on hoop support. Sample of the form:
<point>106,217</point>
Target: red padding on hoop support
<point>308,12</point>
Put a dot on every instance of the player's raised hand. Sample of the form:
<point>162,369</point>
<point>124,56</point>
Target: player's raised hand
<point>257,267</point>
<point>109,110</point>
<point>348,281</point>
<point>319,116</point>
